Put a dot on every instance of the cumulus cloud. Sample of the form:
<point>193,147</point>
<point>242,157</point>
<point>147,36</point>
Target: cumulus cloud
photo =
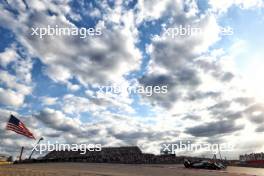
<point>149,10</point>
<point>214,128</point>
<point>255,113</point>
<point>201,95</point>
<point>260,129</point>
<point>192,117</point>
<point>108,129</point>
<point>48,100</point>
<point>173,61</point>
<point>105,58</point>
<point>223,6</point>
<point>11,81</point>
<point>8,56</point>
<point>73,104</point>
<point>57,120</point>
<point>15,77</point>
<point>11,98</point>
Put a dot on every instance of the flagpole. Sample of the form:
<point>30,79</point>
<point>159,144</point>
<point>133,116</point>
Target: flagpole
<point>34,147</point>
<point>21,153</point>
<point>33,150</point>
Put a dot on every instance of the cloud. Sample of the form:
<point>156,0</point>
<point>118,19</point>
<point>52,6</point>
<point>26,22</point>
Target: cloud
<point>245,100</point>
<point>57,120</point>
<point>11,98</point>
<point>260,129</point>
<point>106,58</point>
<point>255,113</point>
<point>133,137</point>
<point>150,10</point>
<point>15,76</point>
<point>48,100</point>
<point>74,105</point>
<point>108,129</point>
<point>201,95</point>
<point>173,61</point>
<point>223,6</point>
<point>191,117</point>
<point>214,128</point>
<point>219,107</point>
<point>96,103</point>
<point>8,56</point>
<point>213,67</point>
<point>12,82</point>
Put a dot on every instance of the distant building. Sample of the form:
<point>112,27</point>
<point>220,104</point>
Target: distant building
<point>252,156</point>
<point>252,159</point>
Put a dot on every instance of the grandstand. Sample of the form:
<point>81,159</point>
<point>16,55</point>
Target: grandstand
<point>123,155</point>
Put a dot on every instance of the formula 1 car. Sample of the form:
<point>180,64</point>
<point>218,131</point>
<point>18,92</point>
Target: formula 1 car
<point>205,164</point>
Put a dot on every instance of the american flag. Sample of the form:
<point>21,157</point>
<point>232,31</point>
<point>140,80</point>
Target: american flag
<point>14,124</point>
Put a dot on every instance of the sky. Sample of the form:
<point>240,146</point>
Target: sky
<point>214,79</point>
